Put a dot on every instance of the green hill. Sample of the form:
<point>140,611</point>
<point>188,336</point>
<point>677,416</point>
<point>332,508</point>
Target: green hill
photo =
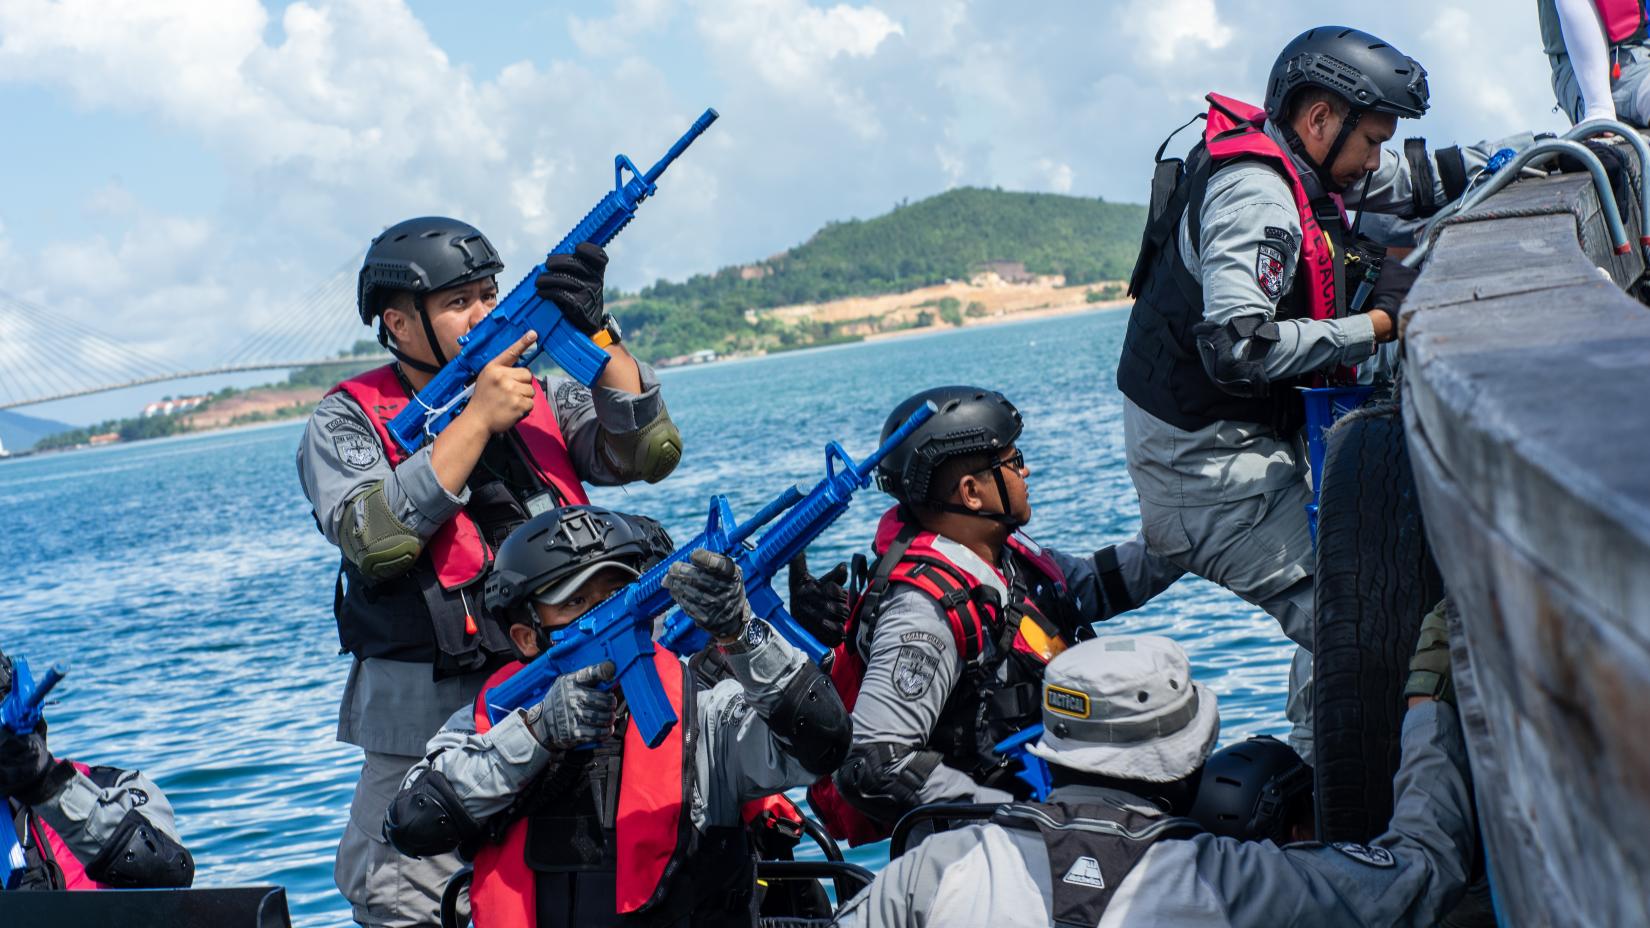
<point>945,237</point>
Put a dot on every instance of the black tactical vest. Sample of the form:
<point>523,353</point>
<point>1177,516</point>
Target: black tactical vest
<point>1160,368</point>
<point>1091,849</point>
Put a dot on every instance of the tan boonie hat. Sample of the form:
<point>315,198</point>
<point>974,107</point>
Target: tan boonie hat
<point>1126,707</point>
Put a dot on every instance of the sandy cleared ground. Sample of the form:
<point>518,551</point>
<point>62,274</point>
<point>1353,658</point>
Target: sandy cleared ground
<point>223,412</point>
<point>881,316</point>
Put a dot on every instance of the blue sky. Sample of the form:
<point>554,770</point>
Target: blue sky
<point>190,169</point>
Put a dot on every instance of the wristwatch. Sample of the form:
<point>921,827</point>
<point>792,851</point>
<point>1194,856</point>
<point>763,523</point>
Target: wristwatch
<point>609,333</point>
<point>756,632</point>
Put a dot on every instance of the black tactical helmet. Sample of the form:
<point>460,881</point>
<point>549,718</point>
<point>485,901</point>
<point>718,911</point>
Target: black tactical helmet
<point>1360,68</point>
<point>1253,790</point>
<point>562,544</point>
<point>422,255</point>
<point>969,421</point>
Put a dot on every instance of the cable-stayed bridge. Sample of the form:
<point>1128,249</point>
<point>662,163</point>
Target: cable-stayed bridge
<point>45,357</point>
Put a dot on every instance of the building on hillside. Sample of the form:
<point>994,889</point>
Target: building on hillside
<point>171,405</point>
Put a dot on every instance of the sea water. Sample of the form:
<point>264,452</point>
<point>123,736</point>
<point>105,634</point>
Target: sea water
<point>184,583</point>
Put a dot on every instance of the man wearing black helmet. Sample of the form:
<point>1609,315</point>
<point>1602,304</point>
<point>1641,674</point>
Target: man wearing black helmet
<point>1241,296</point>
<point>416,531</point>
<point>570,818</point>
<point>946,642</point>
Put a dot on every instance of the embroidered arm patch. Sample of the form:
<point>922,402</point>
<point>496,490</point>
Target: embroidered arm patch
<point>1269,270</point>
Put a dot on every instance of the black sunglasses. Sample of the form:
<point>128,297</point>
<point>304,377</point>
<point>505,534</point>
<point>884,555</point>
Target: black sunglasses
<point>1015,461</point>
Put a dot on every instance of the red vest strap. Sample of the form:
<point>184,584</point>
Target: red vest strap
<point>74,872</point>
<point>456,549</point>
<point>1228,138</point>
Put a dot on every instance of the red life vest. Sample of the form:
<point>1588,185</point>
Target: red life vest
<point>47,846</point>
<point>1624,20</point>
<point>456,549</point>
<point>653,822</point>
<point>1228,138</point>
<point>973,594</point>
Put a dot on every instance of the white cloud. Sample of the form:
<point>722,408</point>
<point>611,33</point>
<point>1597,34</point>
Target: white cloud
<point>1171,30</point>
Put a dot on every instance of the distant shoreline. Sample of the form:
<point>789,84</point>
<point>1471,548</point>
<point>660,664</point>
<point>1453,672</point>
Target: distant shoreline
<point>1030,315</point>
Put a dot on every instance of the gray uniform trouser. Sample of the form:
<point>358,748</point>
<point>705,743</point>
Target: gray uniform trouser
<point>1260,548</point>
<point>384,887</point>
<point>1631,92</point>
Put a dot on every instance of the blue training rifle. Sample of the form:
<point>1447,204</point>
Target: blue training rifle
<point>1033,769</point>
<point>620,629</point>
<point>521,311</point>
<point>20,713</point>
<point>788,537</point>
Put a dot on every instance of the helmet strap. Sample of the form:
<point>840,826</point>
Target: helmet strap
<point>1001,518</point>
<point>1319,169</point>
<point>429,330</point>
<point>429,336</point>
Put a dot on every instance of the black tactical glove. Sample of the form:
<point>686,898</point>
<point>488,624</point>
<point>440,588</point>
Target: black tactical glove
<point>576,710</point>
<point>25,763</point>
<point>819,604</point>
<point>709,588</point>
<point>1429,669</point>
<point>574,283</point>
<point>1392,286</point>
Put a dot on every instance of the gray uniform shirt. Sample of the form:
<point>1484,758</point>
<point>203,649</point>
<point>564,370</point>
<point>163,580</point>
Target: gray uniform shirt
<point>736,758</point>
<point>912,665</point>
<point>1249,216</point>
<point>389,706</point>
<point>989,875</point>
<point>86,815</point>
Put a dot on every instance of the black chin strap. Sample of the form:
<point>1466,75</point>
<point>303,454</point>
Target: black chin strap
<point>1326,180</point>
<point>429,335</point>
<point>1001,518</point>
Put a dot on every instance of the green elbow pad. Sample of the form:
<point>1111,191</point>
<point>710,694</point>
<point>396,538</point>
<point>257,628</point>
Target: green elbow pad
<point>374,540</point>
<point>650,453</point>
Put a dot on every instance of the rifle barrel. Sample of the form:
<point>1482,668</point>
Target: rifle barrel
<point>697,129</point>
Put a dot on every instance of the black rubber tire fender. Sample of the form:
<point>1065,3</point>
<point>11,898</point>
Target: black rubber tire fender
<point>1375,580</point>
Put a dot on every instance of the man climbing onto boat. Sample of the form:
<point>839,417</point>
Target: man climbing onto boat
<point>571,819</point>
<point>1242,295</point>
<point>945,647</point>
<point>81,827</point>
<point>416,531</point>
<point>1126,733</point>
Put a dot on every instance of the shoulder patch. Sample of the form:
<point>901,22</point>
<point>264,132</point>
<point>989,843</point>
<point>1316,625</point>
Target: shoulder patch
<point>1269,270</point>
<point>1281,235</point>
<point>571,393</point>
<point>1085,871</point>
<point>1366,854</point>
<point>914,670</point>
<point>356,448</point>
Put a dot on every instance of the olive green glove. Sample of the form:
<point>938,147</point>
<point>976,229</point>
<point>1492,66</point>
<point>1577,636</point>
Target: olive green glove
<point>1429,670</point>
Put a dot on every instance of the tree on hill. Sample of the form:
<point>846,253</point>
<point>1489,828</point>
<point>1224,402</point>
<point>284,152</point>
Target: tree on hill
<point>945,237</point>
